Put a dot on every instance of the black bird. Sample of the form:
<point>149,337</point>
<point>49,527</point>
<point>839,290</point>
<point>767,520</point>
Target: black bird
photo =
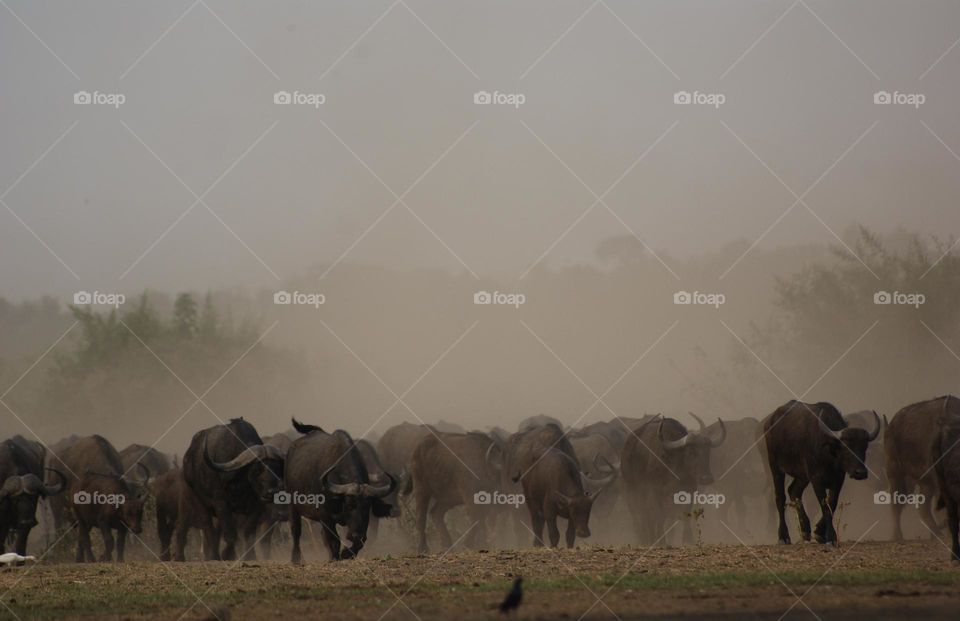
<point>512,600</point>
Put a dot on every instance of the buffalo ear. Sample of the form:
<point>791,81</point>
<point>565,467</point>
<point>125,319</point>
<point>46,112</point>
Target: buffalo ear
<point>381,509</point>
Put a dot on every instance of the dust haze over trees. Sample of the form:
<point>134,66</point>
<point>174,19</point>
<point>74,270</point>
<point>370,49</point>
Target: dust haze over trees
<point>789,318</point>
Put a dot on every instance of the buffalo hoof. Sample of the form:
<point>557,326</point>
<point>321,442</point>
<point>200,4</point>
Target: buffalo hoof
<point>784,542</point>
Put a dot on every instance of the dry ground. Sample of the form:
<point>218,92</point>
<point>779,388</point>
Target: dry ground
<point>868,581</point>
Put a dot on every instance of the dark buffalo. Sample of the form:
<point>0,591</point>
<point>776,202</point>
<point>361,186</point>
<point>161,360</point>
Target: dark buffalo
<point>553,488</point>
<point>21,472</point>
<point>908,447</point>
<point>99,496</point>
<point>661,459</point>
<point>814,444</point>
<point>167,490</point>
<point>327,482</point>
<point>155,461</point>
<point>946,459</point>
<point>230,473</point>
<point>452,470</point>
<point>614,431</point>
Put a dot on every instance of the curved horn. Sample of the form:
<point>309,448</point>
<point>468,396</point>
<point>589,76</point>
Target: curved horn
<point>244,459</point>
<point>723,435</point>
<point>602,464</point>
<point>671,445</point>
<point>486,458</point>
<point>146,471</point>
<point>827,430</point>
<point>876,431</point>
<point>339,489</point>
<point>590,483</point>
<point>379,491</point>
<point>54,489</point>
<point>699,421</point>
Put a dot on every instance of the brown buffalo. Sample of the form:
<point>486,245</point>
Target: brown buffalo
<point>99,496</point>
<point>553,488</point>
<point>814,444</point>
<point>449,470</point>
<point>167,490</point>
<point>908,448</point>
<point>396,446</point>
<point>661,459</point>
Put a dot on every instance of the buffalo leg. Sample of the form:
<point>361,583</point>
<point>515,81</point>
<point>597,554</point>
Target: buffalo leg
<point>121,543</point>
<point>897,486</point>
<point>296,529</point>
<point>554,532</point>
<point>796,495</point>
<point>437,514</point>
<point>824,531</point>
<point>536,520</point>
<point>571,533</point>
<point>250,537</point>
<point>21,543</point>
<point>165,527</point>
<point>83,543</point>
<point>228,530</point>
<point>107,533</point>
<point>423,505</point>
<point>953,521</point>
<point>331,539</point>
<point>4,533</point>
<point>779,481</point>
<point>929,489</point>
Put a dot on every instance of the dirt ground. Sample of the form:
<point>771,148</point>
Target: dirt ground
<point>864,581</point>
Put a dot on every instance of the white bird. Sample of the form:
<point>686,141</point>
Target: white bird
<point>13,557</point>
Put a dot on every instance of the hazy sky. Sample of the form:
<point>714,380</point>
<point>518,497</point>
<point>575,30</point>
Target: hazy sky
<point>496,186</point>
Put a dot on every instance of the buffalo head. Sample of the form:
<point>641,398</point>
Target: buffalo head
<point>23,491</point>
<point>692,451</point>
<point>262,465</point>
<point>577,509</point>
<point>849,446</point>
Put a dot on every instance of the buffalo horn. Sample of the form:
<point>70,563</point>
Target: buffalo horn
<point>723,435</point>
<point>825,429</point>
<point>671,445</point>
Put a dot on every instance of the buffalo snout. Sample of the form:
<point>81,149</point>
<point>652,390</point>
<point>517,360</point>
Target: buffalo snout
<point>583,531</point>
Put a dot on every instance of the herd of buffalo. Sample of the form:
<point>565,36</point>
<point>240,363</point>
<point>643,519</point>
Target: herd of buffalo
<point>231,481</point>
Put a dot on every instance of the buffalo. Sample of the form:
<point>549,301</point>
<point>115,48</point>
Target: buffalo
<point>21,472</point>
<point>100,496</point>
<point>661,459</point>
<point>327,482</point>
<point>908,447</point>
<point>167,490</point>
<point>230,473</point>
<point>739,464</point>
<point>449,470</point>
<point>946,459</point>
<point>540,420</point>
<point>553,488</point>
<point>814,444</point>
